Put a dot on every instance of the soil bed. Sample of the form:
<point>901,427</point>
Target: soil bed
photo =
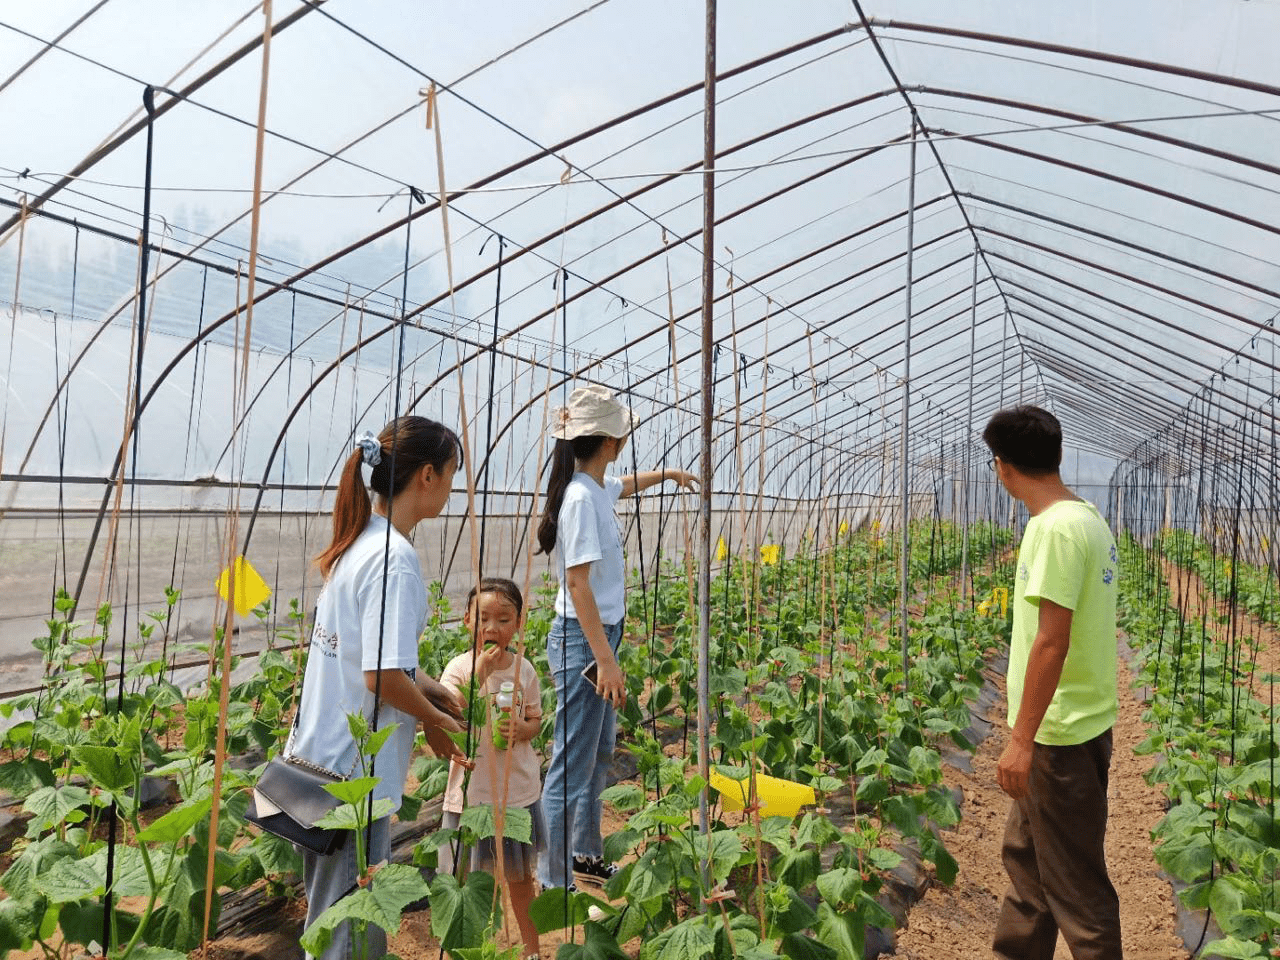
<point>956,923</point>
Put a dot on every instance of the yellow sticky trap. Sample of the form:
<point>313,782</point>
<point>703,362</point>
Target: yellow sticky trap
<point>251,589</point>
<point>844,527</point>
<point>722,551</point>
<point>778,797</point>
<point>999,600</point>
<point>1266,544</point>
<point>769,554</point>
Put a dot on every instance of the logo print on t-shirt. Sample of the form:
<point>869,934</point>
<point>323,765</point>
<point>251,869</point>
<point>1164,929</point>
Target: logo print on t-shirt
<point>324,639</point>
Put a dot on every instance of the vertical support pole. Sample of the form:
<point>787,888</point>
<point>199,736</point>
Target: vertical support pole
<point>1004,343</point>
<point>708,411</point>
<point>968,431</point>
<point>905,477</point>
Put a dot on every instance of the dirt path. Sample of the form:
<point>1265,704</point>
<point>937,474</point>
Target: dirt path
<point>956,923</point>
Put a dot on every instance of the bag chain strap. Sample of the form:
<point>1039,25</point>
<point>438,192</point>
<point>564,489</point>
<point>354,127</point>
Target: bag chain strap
<point>287,753</point>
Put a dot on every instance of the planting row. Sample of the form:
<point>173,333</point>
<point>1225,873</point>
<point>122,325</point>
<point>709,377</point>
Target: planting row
<point>803,634</point>
<point>1215,734</point>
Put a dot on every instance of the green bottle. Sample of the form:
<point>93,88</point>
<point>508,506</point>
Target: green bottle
<point>505,703</point>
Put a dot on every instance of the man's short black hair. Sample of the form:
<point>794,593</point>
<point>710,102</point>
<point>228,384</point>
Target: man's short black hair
<point>1027,437</point>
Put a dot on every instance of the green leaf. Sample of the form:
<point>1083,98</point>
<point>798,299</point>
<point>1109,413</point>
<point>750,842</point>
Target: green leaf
<point>933,850</point>
<point>347,817</point>
<point>624,797</point>
<point>460,915</point>
<point>1229,899</point>
<point>723,849</point>
<point>81,923</point>
<point>179,921</point>
<point>155,953</point>
<point>787,913</point>
<point>1188,859</point>
<point>799,867</point>
<point>843,932</point>
<point>651,876</point>
<point>618,845</point>
<point>554,909</point>
<point>50,806</point>
<point>277,856</point>
<point>797,946</point>
<point>21,777</point>
<point>379,738</point>
<point>1232,948</point>
<point>19,919</point>
<point>38,857</point>
<point>105,767</point>
<point>410,808</point>
<point>596,944</point>
<point>354,790</point>
<point>839,886</point>
<point>690,939</point>
<point>129,874</point>
<point>71,880</point>
<point>479,819</point>
<point>381,903</point>
<point>817,830</point>
<point>177,823</point>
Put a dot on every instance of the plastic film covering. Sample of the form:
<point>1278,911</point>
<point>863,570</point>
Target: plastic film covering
<point>1093,230</point>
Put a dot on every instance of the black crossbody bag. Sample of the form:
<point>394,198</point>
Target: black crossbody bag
<point>296,789</point>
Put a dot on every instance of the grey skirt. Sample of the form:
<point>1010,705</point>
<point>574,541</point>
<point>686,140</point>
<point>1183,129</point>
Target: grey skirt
<point>519,860</point>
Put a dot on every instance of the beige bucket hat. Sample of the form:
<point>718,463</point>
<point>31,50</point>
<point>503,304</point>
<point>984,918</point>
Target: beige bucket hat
<point>592,412</point>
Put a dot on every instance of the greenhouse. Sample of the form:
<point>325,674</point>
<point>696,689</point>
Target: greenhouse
<point>806,252</point>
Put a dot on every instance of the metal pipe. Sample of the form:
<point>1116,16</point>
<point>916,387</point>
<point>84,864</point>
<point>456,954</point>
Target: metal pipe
<point>968,430</point>
<point>905,417</point>
<point>708,417</point>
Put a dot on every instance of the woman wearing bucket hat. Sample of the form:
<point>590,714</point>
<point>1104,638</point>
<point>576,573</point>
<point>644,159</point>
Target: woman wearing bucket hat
<point>580,529</point>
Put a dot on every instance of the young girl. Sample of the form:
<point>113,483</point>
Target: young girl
<point>369,617</point>
<point>494,615</point>
<point>579,526</point>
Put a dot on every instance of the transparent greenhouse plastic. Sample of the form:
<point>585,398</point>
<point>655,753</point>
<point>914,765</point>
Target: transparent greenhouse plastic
<point>1092,218</point>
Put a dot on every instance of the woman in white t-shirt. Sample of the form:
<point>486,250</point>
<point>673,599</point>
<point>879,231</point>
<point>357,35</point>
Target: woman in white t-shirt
<point>579,527</point>
<point>363,656</point>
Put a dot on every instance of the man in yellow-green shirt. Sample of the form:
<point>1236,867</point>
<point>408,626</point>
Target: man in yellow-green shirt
<point>1062,705</point>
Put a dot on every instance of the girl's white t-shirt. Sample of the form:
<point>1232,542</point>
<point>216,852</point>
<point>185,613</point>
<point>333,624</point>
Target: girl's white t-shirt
<point>344,644</point>
<point>587,532</point>
<point>524,781</point>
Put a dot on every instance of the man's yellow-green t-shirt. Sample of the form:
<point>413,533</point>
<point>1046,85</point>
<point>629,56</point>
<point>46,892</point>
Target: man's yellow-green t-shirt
<point>1068,556</point>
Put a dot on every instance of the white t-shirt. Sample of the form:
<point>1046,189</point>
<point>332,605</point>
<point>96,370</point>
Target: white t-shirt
<point>524,782</point>
<point>344,644</point>
<point>587,532</point>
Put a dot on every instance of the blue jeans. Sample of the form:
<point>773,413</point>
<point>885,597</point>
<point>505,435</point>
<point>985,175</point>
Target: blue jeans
<point>580,757</point>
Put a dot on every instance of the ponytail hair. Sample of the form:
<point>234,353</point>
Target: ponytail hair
<point>563,462</point>
<point>407,444</point>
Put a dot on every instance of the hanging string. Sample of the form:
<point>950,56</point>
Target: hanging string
<point>237,401</point>
<point>397,380</point>
<point>13,326</point>
<point>483,480</point>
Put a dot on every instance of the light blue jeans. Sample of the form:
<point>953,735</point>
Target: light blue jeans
<point>581,753</point>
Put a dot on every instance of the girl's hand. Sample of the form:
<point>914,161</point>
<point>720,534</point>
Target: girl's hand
<point>686,479</point>
<point>520,731</point>
<point>610,684</point>
<point>488,660</point>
